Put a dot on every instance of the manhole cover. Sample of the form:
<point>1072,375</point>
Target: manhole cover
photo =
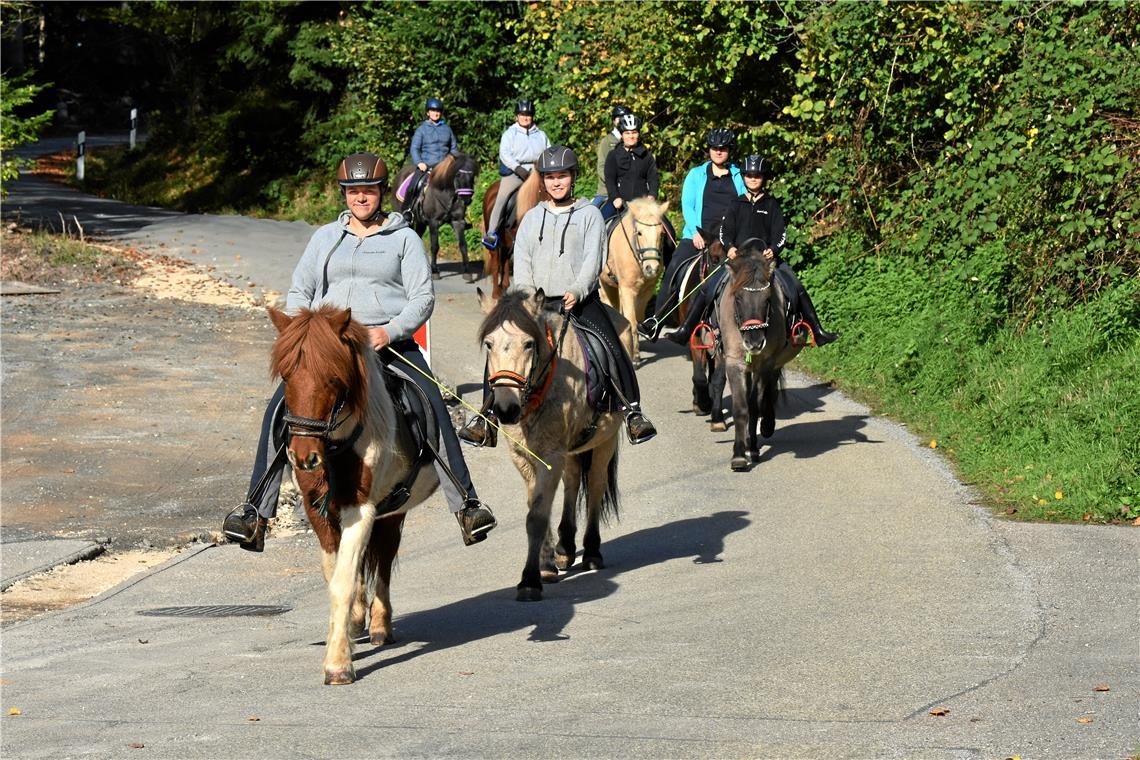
<point>217,610</point>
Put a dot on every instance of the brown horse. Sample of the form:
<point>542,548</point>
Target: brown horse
<point>756,344</point>
<point>538,380</point>
<point>708,369</point>
<point>450,187</point>
<point>351,454</point>
<point>497,262</point>
<point>634,262</point>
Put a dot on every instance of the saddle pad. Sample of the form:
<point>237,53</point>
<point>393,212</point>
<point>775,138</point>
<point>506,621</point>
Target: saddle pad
<point>600,366</point>
<point>402,190</point>
<point>681,272</point>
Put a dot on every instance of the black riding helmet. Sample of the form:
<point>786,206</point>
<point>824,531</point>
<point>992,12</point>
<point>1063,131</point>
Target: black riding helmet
<point>362,169</point>
<point>757,164</point>
<point>558,158</point>
<point>619,111</point>
<point>629,121</point>
<point>720,137</point>
<point>524,107</point>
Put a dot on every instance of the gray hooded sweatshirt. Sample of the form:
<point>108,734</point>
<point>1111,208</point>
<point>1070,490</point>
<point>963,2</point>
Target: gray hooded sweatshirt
<point>383,278</point>
<point>560,252</point>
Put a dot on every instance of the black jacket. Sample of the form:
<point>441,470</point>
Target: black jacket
<point>754,219</point>
<point>631,173</point>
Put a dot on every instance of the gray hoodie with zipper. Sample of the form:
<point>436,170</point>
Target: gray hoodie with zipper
<point>560,252</point>
<point>383,278</point>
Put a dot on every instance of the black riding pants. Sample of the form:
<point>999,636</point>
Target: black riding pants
<point>269,462</point>
<point>667,297</point>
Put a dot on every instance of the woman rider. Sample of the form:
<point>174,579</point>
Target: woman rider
<point>432,142</point>
<point>560,247</point>
<point>631,170</point>
<point>519,147</point>
<point>708,191</point>
<point>756,215</point>
<point>374,265</point>
<point>606,143</point>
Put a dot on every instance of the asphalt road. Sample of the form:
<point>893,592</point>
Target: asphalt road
<point>820,605</point>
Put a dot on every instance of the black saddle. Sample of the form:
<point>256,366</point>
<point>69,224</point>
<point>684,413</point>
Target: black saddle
<point>412,403</point>
<point>601,365</point>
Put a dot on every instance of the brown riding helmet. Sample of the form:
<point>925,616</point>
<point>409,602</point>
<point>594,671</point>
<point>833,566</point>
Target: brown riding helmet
<point>362,169</point>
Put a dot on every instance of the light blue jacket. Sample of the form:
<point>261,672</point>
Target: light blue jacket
<point>522,147</point>
<point>693,194</point>
<point>384,277</point>
<point>432,142</point>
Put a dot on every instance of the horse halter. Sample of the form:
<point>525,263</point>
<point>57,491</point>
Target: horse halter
<point>641,252</point>
<point>755,324</point>
<point>506,378</point>
<point>467,190</point>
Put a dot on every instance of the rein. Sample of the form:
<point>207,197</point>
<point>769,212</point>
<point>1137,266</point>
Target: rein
<point>508,379</point>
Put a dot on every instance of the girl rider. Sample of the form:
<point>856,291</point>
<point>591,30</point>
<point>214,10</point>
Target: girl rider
<point>630,171</point>
<point>376,266</point>
<point>560,247</point>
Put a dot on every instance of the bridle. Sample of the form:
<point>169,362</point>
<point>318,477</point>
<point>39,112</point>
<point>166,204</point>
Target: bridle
<point>465,190</point>
<point>540,377</point>
<point>640,252</point>
<point>755,324</point>
<point>309,427</point>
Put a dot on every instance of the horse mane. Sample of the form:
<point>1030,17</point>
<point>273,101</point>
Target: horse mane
<point>646,206</point>
<point>747,266</point>
<point>530,193</point>
<point>511,308</point>
<point>327,343</point>
<point>443,173</point>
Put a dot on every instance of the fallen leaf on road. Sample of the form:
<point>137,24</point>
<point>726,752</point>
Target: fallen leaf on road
<point>144,641</point>
<point>15,711</point>
<point>1084,720</point>
<point>253,719</point>
<point>1101,687</point>
<point>136,745</point>
<point>940,711</point>
<point>934,444</point>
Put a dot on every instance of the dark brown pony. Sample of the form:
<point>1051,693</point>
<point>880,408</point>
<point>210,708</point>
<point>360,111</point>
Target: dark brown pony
<point>708,370</point>
<point>497,262</point>
<point>450,188</point>
<point>349,451</point>
<point>756,344</point>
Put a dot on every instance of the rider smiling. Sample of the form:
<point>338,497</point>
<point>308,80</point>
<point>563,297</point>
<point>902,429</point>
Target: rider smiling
<point>520,146</point>
<point>374,265</point>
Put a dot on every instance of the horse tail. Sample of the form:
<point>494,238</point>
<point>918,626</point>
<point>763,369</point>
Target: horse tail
<point>609,509</point>
<point>383,545</point>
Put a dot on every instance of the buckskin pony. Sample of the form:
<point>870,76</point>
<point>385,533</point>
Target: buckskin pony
<point>756,345</point>
<point>356,464</point>
<point>537,375</point>
<point>450,188</point>
<point>633,262</point>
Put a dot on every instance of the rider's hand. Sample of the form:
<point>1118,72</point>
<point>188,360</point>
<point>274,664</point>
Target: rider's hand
<point>769,254</point>
<point>698,240</point>
<point>379,337</point>
<point>569,300</point>
<point>421,166</point>
<point>618,203</point>
<point>521,173</point>
<point>731,252</point>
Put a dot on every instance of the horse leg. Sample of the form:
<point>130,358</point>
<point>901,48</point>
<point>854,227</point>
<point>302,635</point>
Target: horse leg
<point>540,499</point>
<point>717,380</point>
<point>756,400</point>
<point>566,550</point>
<point>628,298</point>
<point>433,227</point>
<point>356,526</point>
<point>768,404</point>
<point>459,226</point>
<point>599,487</point>
<point>385,543</point>
<point>739,383</point>
<point>701,403</point>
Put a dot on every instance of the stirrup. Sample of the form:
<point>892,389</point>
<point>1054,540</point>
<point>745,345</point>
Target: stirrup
<point>490,241</point>
<point>476,520</point>
<point>245,527</point>
<point>649,329</point>
<point>798,331</point>
<point>647,432</point>
<point>480,433</point>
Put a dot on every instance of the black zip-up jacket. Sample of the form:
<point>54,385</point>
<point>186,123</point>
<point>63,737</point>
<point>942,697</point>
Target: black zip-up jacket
<point>631,174</point>
<point>760,218</point>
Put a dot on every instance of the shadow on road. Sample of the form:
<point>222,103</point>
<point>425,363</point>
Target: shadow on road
<point>497,612</point>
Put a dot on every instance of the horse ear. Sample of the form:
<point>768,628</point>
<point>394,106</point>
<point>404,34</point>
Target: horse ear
<point>486,302</point>
<point>539,300</point>
<point>665,207</point>
<point>341,320</point>
<point>280,319</point>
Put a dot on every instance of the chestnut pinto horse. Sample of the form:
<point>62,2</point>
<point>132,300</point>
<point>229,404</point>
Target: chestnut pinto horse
<point>537,374</point>
<point>634,262</point>
<point>350,453</point>
<point>449,190</point>
<point>497,262</point>
<point>756,344</point>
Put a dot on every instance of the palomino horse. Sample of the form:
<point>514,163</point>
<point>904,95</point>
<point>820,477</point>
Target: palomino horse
<point>356,465</point>
<point>634,262</point>
<point>497,264</point>
<point>538,380</point>
<point>708,370</point>
<point>756,345</point>
<point>450,187</point>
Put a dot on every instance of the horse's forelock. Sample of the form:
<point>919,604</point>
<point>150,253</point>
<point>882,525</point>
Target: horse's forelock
<point>511,308</point>
<point>744,270</point>
<point>311,346</point>
<point>645,208</point>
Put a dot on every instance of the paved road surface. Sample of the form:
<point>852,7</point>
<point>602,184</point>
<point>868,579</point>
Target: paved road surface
<point>818,606</point>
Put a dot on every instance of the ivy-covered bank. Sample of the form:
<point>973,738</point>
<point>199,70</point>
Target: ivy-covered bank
<point>961,179</point>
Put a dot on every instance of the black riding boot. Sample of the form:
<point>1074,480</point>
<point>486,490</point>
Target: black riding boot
<point>246,527</point>
<point>478,432</point>
<point>637,426</point>
<point>475,521</point>
<point>807,309</point>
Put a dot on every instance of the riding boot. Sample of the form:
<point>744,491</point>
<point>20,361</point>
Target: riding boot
<point>807,308</point>
<point>638,427</point>
<point>244,526</point>
<point>475,521</point>
<point>479,432</point>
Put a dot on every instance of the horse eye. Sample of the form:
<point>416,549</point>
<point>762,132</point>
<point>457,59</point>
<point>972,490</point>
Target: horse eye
<point>528,346</point>
<point>487,345</point>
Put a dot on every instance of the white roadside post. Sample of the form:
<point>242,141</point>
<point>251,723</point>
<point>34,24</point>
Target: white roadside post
<point>134,125</point>
<point>80,153</point>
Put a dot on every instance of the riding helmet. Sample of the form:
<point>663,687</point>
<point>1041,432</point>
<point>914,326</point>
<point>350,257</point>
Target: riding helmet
<point>720,137</point>
<point>619,111</point>
<point>629,121</point>
<point>557,158</point>
<point>362,169</point>
<point>433,104</point>
<point>757,164</point>
<point>524,107</point>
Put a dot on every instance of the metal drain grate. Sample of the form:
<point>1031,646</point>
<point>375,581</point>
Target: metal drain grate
<point>217,610</point>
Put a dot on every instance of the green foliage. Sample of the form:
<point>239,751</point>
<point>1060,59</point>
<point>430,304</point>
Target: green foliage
<point>16,127</point>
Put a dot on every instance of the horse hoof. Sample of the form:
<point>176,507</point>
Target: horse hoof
<point>529,594</point>
<point>379,640</point>
<point>549,576</point>
<point>563,562</point>
<point>740,464</point>
<point>718,427</point>
<point>339,677</point>
<point>593,563</point>
<point>754,455</point>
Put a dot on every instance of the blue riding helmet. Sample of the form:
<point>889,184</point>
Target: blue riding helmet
<point>433,104</point>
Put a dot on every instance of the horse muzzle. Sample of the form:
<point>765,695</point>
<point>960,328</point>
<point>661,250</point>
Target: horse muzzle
<point>305,462</point>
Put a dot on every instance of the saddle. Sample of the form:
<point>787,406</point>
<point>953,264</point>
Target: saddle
<point>409,192</point>
<point>412,403</point>
<point>601,365</point>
